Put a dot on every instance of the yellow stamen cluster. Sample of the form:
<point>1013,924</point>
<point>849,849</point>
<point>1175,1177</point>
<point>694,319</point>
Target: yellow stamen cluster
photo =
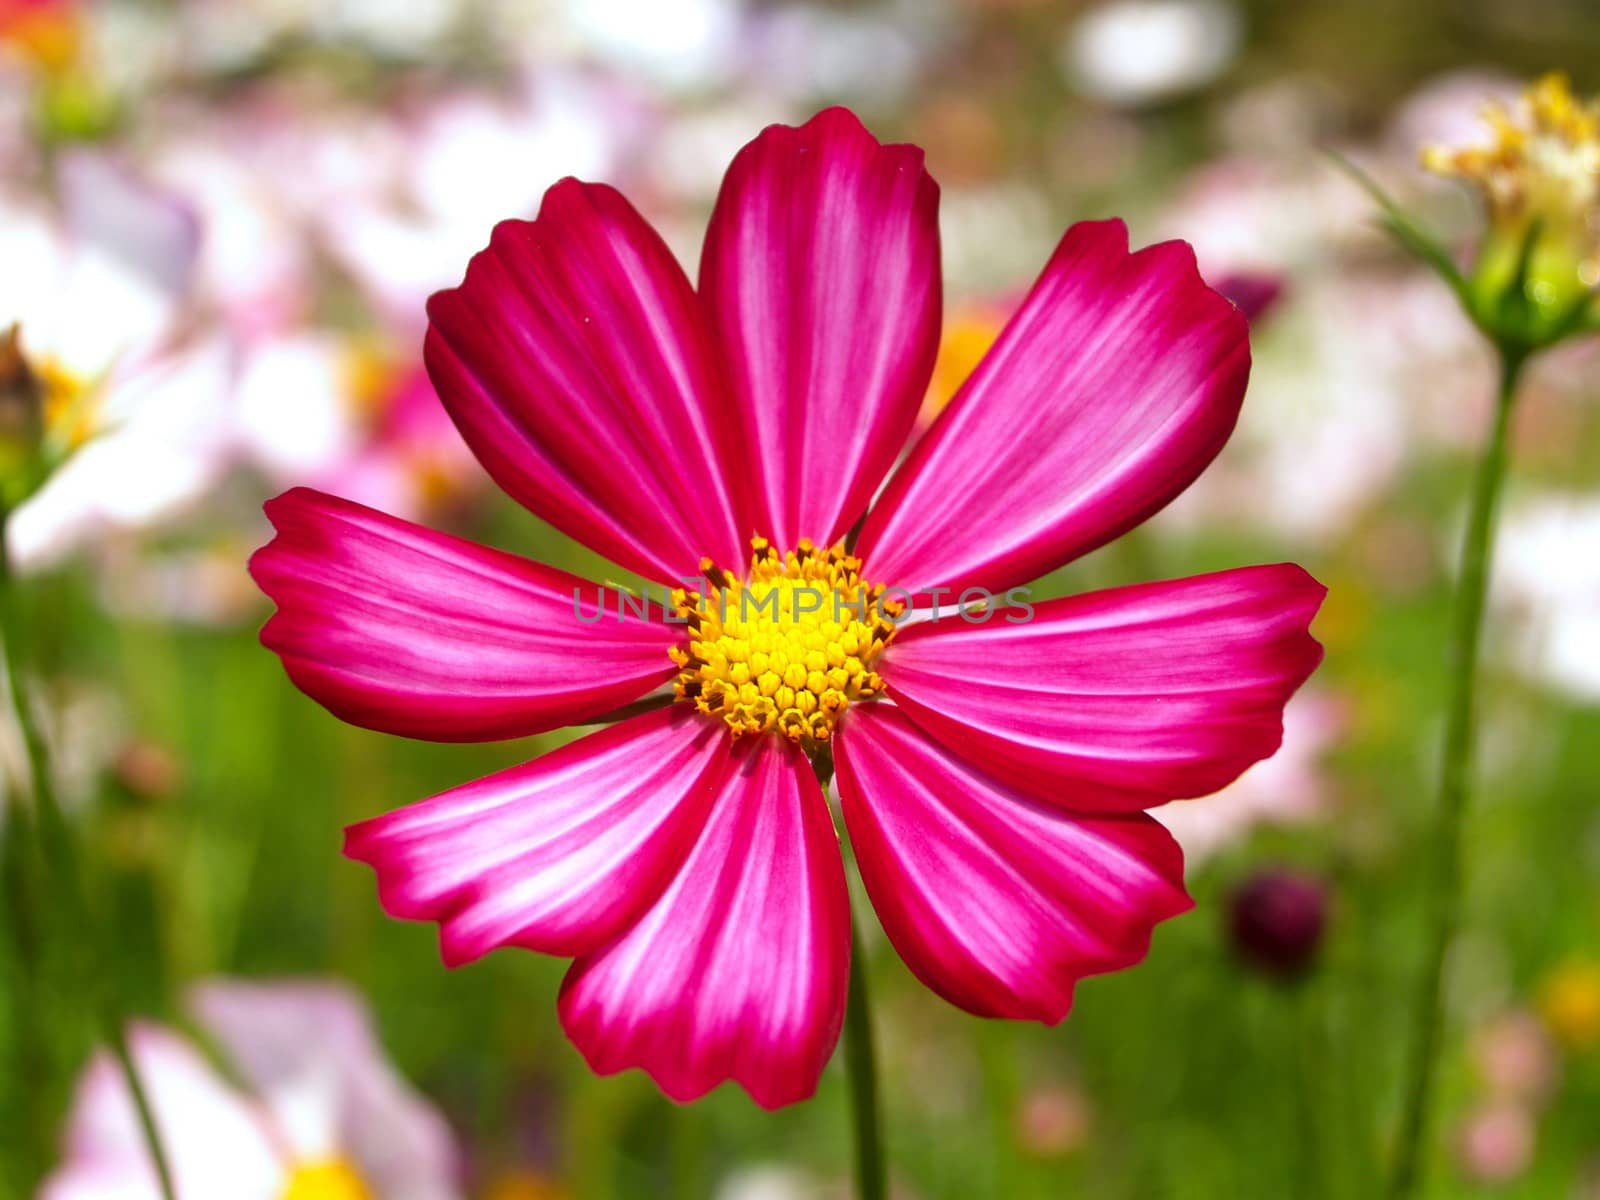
<point>41,397</point>
<point>71,404</point>
<point>1543,163</point>
<point>330,1179</point>
<point>788,648</point>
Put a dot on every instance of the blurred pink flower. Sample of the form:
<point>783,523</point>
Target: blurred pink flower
<point>1053,1120</point>
<point>321,1109</point>
<point>1497,1142</point>
<point>995,806</point>
<point>469,159</point>
<point>354,419</point>
<point>1514,1057</point>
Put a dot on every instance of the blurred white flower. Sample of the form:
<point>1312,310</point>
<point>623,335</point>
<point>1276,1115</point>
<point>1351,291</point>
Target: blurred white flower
<point>292,416</point>
<point>1267,212</point>
<point>102,296</point>
<point>351,418</point>
<point>256,266</point>
<point>322,1111</point>
<point>1547,576</point>
<point>806,51</point>
<point>1290,788</point>
<point>685,43</point>
<point>1358,370</point>
<point>166,445</point>
<point>1137,51</point>
<point>470,160</point>
<point>228,35</point>
<point>770,1181</point>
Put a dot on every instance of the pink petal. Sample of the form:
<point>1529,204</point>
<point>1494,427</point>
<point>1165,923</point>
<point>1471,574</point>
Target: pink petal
<point>738,972</point>
<point>576,361</point>
<point>1122,699</point>
<point>1109,391</point>
<point>998,903</point>
<point>558,855</point>
<point>821,271</point>
<point>396,627</point>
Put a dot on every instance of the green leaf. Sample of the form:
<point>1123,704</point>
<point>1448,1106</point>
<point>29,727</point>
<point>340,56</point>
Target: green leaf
<point>1404,230</point>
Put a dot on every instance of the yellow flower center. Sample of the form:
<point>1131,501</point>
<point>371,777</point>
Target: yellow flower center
<point>1542,163</point>
<point>790,647</point>
<point>330,1179</point>
<point>71,411</point>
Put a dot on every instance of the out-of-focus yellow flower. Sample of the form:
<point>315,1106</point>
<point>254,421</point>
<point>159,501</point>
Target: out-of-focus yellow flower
<point>331,1180</point>
<point>1540,178</point>
<point>46,413</point>
<point>370,374</point>
<point>1569,1000</point>
<point>524,1184</point>
<point>48,33</point>
<point>71,405</point>
<point>968,335</point>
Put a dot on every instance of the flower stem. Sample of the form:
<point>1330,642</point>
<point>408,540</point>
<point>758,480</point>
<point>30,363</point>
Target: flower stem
<point>1455,775</point>
<point>61,857</point>
<point>861,1064</point>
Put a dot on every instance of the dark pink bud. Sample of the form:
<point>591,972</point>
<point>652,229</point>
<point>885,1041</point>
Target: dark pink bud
<point>1276,919</point>
<point>1254,293</point>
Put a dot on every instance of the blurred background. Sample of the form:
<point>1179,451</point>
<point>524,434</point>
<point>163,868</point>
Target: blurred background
<point>219,222</point>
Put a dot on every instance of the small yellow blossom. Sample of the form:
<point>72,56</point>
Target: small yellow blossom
<point>1569,1000</point>
<point>48,33</point>
<point>524,1185</point>
<point>1539,175</point>
<point>968,335</point>
<point>46,413</point>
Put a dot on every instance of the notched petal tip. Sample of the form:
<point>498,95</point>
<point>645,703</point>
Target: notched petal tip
<point>575,360</point>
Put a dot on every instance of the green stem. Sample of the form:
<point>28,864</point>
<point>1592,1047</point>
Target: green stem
<point>1310,1079</point>
<point>1455,774</point>
<point>61,855</point>
<point>861,1064</point>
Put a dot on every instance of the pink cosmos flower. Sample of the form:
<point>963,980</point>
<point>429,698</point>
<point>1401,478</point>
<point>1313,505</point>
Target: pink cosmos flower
<point>992,773</point>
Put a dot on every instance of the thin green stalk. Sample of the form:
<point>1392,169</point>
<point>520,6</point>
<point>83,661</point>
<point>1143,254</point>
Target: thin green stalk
<point>1309,1083</point>
<point>32,1131</point>
<point>1455,777</point>
<point>61,856</point>
<point>861,1065</point>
